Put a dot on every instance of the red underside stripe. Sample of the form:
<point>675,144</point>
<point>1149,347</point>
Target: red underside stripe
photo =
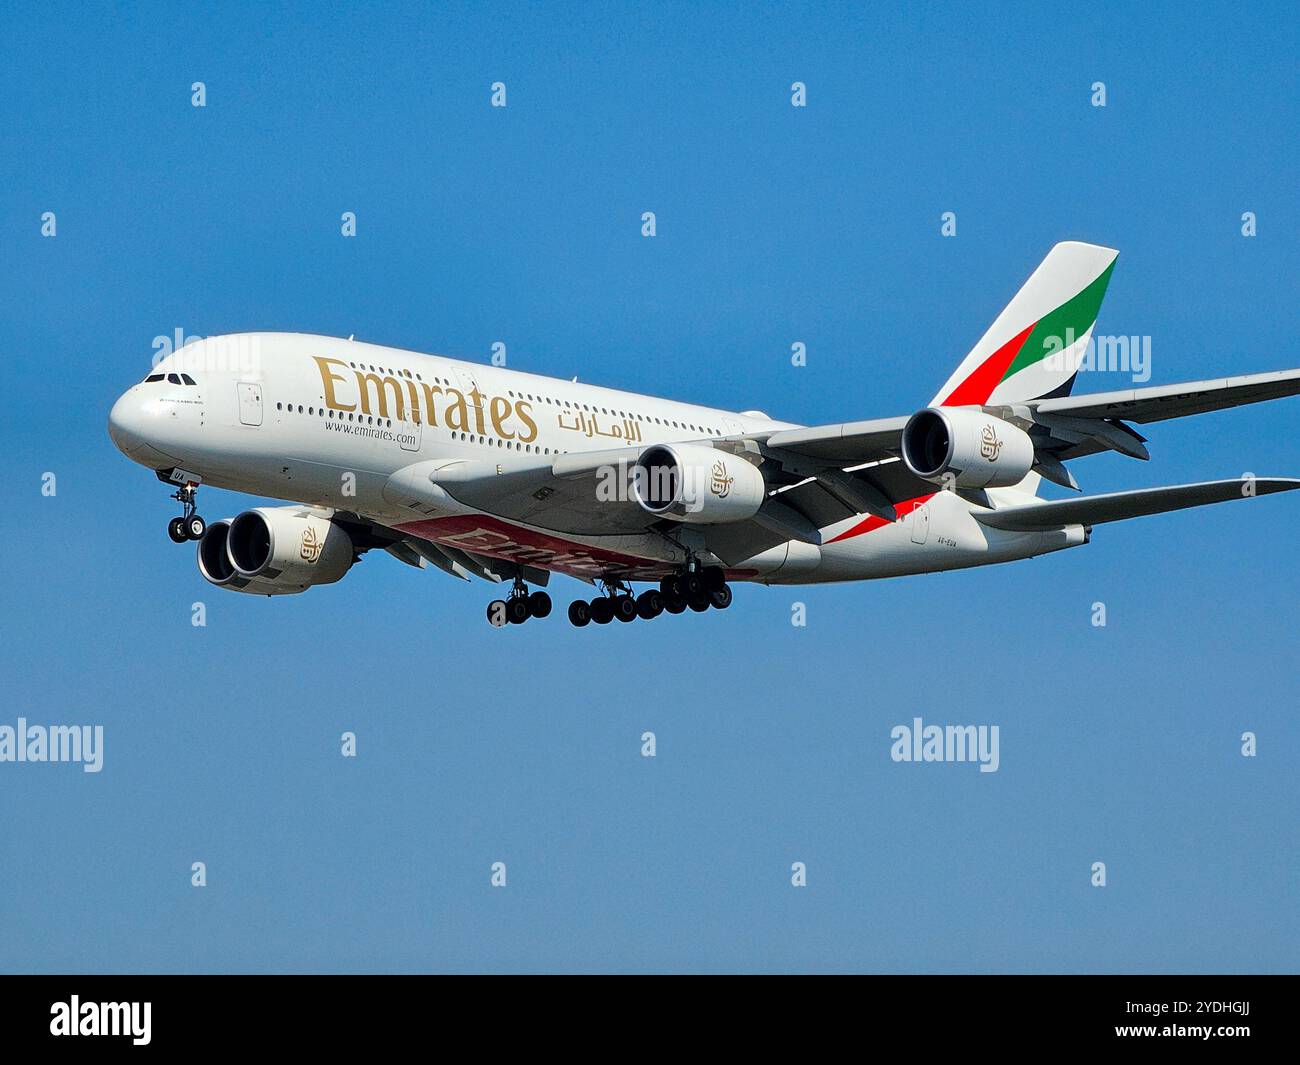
<point>988,375</point>
<point>872,523</point>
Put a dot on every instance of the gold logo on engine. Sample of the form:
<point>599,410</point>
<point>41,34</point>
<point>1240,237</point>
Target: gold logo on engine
<point>990,445</point>
<point>311,545</point>
<point>719,483</point>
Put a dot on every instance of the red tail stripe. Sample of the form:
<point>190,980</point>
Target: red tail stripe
<point>988,375</point>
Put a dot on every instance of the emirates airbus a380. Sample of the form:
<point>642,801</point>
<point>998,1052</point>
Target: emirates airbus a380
<point>510,477</point>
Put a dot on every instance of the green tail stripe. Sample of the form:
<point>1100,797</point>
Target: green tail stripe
<point>1068,322</point>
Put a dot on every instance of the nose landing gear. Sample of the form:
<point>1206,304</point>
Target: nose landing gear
<point>189,526</point>
<point>518,607</point>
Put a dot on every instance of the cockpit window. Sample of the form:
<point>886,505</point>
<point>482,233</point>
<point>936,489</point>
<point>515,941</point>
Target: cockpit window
<point>152,378</point>
<point>173,378</point>
<point>187,379</point>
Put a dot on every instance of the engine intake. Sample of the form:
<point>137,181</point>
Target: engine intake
<point>216,567</point>
<point>697,484</point>
<point>214,563</point>
<point>967,448</point>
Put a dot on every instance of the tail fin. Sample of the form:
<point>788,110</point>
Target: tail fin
<point>1034,348</point>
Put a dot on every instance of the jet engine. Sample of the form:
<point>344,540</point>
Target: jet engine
<point>697,484</point>
<point>966,448</point>
<point>274,551</point>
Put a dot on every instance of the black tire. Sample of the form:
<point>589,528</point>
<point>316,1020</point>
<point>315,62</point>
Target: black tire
<point>715,578</point>
<point>692,585</point>
<point>496,614</point>
<point>539,605</point>
<point>721,599</point>
<point>649,605</point>
<point>517,610</point>
<point>671,585</point>
<point>624,608</point>
<point>195,527</point>
<point>674,604</point>
<point>579,613</point>
<point>699,603</point>
<point>602,610</point>
<point>176,530</point>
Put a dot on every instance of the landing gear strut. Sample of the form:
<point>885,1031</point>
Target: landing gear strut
<point>518,607</point>
<point>617,603</point>
<point>697,587</point>
<point>189,526</point>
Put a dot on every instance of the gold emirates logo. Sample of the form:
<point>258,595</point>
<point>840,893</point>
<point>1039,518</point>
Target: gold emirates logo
<point>990,445</point>
<point>311,545</point>
<point>719,483</point>
<point>417,401</point>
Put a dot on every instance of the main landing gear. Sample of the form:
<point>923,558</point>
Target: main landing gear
<point>190,526</point>
<point>519,607</point>
<point>697,589</point>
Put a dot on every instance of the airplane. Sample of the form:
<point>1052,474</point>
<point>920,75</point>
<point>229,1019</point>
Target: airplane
<point>485,472</point>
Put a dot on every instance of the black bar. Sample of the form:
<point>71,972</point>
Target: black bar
<point>341,1013</point>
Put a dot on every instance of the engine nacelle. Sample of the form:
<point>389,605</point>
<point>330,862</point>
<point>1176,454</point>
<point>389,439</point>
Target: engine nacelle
<point>216,567</point>
<point>271,551</point>
<point>692,483</point>
<point>973,449</point>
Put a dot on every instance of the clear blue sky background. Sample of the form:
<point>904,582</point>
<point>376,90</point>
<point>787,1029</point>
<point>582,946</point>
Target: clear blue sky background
<point>776,224</point>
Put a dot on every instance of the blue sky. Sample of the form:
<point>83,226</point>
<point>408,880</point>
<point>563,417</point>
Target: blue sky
<point>775,224</point>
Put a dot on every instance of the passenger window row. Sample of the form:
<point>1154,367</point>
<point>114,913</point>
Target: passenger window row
<point>320,412</point>
<point>538,398</point>
<point>474,438</point>
<point>370,419</point>
<point>614,411</point>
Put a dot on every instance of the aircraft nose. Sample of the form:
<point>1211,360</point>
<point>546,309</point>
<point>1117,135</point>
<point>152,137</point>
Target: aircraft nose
<point>125,423</point>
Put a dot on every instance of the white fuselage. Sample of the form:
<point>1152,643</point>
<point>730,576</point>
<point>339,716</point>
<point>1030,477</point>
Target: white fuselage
<point>333,423</point>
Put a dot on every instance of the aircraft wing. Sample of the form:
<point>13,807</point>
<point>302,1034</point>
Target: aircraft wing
<point>845,444</point>
<point>1065,428</point>
<point>823,474</point>
<point>854,443</point>
<point>570,494</point>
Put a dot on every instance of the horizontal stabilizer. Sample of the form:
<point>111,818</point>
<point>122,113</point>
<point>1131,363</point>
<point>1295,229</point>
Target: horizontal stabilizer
<point>1176,401</point>
<point>1116,506</point>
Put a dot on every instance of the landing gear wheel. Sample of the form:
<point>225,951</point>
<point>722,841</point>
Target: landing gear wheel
<point>189,526</point>
<point>721,599</point>
<point>517,610</point>
<point>699,603</point>
<point>579,612</point>
<point>539,605</point>
<point>715,577</point>
<point>649,605</point>
<point>624,608</point>
<point>496,613</point>
<point>692,586</point>
<point>602,610</point>
<point>671,585</point>
<point>674,604</point>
